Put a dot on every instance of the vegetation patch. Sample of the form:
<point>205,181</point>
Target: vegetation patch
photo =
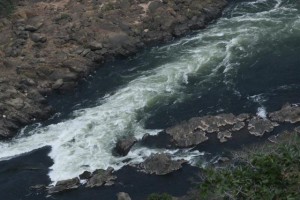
<point>271,171</point>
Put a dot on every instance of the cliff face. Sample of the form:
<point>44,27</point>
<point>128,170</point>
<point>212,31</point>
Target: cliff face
<point>48,46</point>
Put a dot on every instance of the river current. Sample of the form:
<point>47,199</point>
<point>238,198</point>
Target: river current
<point>246,61</point>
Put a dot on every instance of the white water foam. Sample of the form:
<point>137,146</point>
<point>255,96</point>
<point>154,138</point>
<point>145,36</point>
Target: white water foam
<point>85,141</point>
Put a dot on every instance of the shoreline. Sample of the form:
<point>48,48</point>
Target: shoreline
<point>50,50</point>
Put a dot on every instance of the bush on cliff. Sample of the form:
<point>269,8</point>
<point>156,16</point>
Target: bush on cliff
<point>272,174</point>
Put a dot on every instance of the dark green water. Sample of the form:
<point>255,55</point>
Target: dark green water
<point>247,61</point>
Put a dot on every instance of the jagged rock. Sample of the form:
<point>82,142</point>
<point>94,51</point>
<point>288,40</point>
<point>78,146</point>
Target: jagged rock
<point>224,135</point>
<point>101,177</point>
<point>258,126</point>
<point>184,136</point>
<point>161,164</point>
<point>238,126</point>
<point>65,185</point>
<point>288,113</point>
<point>243,117</point>
<point>297,129</point>
<point>123,146</point>
<point>85,175</point>
<point>123,196</point>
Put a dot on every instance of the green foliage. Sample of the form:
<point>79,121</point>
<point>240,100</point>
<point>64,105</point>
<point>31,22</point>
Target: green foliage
<point>163,196</point>
<point>6,7</point>
<point>273,175</point>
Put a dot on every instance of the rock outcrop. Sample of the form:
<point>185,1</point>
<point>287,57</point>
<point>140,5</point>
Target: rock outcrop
<point>48,46</point>
<point>124,145</point>
<point>161,164</point>
<point>64,185</point>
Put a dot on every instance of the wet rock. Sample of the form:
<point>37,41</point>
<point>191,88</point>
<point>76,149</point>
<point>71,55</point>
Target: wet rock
<point>101,177</point>
<point>64,186</point>
<point>224,135</point>
<point>85,175</point>
<point>258,126</point>
<point>123,196</point>
<point>238,126</point>
<point>288,113</point>
<point>38,188</point>
<point>161,164</point>
<point>123,146</point>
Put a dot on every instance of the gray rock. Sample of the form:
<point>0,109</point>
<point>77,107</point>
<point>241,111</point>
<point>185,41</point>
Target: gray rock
<point>184,136</point>
<point>38,38</point>
<point>100,177</point>
<point>85,175</point>
<point>243,117</point>
<point>123,146</point>
<point>238,126</point>
<point>288,113</point>
<point>161,164</point>
<point>224,135</point>
<point>123,196</point>
<point>259,127</point>
<point>64,185</point>
<point>30,28</point>
<point>95,46</point>
<point>57,84</point>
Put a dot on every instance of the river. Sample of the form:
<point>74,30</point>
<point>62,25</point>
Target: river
<point>246,61</point>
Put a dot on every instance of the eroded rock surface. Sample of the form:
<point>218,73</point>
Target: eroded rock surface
<point>101,177</point>
<point>196,130</point>
<point>259,127</point>
<point>288,113</point>
<point>161,164</point>
<point>48,46</point>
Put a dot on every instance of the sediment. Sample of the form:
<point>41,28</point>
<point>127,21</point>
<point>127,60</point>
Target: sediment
<point>48,46</point>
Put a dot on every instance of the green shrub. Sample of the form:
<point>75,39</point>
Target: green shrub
<point>271,175</point>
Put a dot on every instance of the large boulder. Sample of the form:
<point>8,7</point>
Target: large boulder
<point>123,146</point>
<point>123,196</point>
<point>101,177</point>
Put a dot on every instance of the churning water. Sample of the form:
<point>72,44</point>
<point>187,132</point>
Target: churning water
<point>235,45</point>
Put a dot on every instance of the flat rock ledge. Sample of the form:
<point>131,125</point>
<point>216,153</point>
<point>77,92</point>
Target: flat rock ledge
<point>161,164</point>
<point>196,130</point>
<point>98,178</point>
<point>48,46</point>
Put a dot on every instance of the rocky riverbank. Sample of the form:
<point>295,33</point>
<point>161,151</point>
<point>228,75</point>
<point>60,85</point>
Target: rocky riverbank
<point>48,46</point>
